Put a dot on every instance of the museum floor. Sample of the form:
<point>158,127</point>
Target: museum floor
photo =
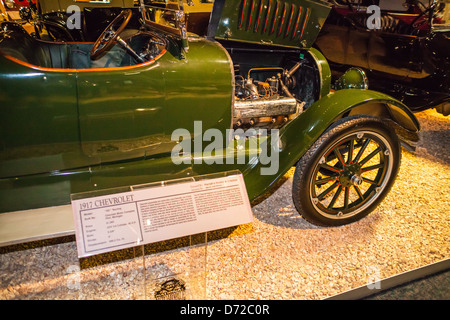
<point>278,256</point>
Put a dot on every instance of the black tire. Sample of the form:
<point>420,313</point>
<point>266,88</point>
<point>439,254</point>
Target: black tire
<point>329,188</point>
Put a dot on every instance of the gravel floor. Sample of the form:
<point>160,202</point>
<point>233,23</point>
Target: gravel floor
<point>279,256</point>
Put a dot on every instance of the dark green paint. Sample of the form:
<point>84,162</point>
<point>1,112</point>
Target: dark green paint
<point>287,23</point>
<point>65,132</point>
<point>71,132</point>
<point>139,109</point>
<point>34,105</point>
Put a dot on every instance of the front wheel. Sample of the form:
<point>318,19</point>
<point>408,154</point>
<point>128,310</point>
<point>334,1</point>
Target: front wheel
<point>347,172</point>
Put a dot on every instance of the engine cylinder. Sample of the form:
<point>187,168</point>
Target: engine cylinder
<point>246,109</point>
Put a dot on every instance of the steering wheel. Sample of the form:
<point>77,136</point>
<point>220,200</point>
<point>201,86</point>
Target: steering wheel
<point>106,40</point>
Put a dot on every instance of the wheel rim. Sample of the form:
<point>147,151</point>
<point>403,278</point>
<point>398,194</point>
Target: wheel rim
<point>351,174</point>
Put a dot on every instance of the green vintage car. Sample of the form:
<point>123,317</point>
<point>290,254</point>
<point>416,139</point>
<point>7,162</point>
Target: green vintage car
<point>150,101</point>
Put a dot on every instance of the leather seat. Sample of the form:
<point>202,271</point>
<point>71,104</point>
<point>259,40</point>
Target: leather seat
<point>389,23</point>
<point>56,54</point>
<point>22,46</point>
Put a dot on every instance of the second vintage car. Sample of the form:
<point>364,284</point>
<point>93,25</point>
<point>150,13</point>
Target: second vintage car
<point>407,56</point>
<point>149,101</point>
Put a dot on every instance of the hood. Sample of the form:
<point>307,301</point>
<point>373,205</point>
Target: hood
<point>287,23</point>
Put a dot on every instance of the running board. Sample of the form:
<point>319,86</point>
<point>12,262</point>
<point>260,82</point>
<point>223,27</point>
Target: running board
<point>36,224</point>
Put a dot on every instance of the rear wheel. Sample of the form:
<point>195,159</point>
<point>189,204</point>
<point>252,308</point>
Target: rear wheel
<point>347,172</point>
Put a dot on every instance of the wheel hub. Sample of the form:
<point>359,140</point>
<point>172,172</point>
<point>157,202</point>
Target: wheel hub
<point>350,176</point>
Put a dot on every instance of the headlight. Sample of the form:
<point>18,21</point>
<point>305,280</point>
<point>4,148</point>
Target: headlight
<point>353,78</point>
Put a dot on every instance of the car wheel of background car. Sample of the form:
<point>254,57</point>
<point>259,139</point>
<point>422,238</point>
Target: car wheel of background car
<point>347,172</point>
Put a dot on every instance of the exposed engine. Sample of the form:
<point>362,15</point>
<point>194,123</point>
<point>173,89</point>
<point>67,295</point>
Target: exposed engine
<point>267,103</point>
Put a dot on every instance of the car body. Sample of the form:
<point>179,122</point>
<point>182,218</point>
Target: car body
<point>408,57</point>
<point>71,124</point>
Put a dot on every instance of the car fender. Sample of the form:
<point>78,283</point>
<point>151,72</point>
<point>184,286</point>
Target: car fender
<point>311,124</point>
<point>300,134</point>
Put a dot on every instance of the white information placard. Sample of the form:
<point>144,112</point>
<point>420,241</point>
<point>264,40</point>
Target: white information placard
<point>122,220</point>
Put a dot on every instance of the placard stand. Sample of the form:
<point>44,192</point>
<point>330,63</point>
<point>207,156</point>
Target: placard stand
<point>168,221</point>
<point>179,274</point>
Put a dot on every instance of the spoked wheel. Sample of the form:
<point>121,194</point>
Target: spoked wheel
<point>347,172</point>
